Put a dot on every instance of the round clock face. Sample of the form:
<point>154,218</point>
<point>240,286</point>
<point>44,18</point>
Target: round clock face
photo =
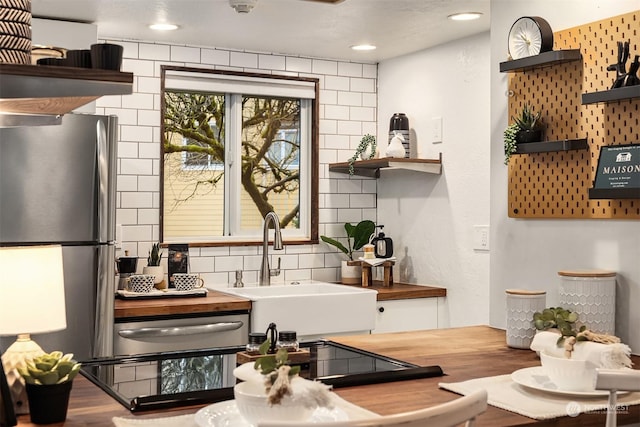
<point>528,36</point>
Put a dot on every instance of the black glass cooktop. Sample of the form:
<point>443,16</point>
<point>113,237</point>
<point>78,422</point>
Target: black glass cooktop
<point>206,376</point>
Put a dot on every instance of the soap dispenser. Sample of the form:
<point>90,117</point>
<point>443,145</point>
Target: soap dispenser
<point>383,245</point>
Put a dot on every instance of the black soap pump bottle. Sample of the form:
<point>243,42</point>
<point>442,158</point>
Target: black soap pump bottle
<point>383,245</point>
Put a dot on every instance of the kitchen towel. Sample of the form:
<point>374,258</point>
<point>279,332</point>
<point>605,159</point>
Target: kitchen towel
<point>610,356</point>
<point>354,412</point>
<point>504,393</point>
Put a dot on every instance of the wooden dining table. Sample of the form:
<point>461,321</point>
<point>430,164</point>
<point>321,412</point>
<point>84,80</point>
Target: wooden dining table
<point>463,353</point>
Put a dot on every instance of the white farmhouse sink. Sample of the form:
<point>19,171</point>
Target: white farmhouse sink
<point>310,308</point>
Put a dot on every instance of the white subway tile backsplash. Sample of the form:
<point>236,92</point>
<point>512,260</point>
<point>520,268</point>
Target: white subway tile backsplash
<point>362,85</point>
<point>136,167</point>
<point>244,60</point>
<point>300,65</point>
<point>138,67</point>
<point>185,54</point>
<point>157,52</point>
<point>135,133</point>
<point>348,104</point>
<point>129,49</point>
<point>321,66</point>
<point>336,83</point>
<point>351,69</point>
<point>215,56</point>
<point>272,62</point>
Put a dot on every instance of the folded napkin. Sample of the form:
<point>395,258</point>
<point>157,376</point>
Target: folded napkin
<point>505,394</point>
<point>376,261</point>
<point>610,356</point>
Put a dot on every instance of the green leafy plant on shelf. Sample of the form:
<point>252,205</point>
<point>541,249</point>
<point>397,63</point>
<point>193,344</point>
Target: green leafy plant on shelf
<point>526,121</point>
<point>49,369</point>
<point>155,255</point>
<point>367,142</point>
<point>357,236</point>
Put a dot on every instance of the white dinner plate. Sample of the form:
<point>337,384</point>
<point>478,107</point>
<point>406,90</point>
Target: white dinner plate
<point>536,378</point>
<point>225,414</point>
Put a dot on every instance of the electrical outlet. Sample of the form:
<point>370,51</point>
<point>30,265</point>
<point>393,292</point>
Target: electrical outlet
<point>481,237</point>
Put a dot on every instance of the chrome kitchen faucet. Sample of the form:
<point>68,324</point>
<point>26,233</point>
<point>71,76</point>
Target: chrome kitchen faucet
<point>265,271</point>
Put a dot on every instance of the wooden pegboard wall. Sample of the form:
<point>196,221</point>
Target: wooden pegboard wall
<point>556,184</point>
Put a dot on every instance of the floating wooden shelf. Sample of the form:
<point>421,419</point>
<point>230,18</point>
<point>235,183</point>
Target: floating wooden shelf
<point>614,193</point>
<point>611,95</point>
<point>545,59</point>
<point>371,168</point>
<point>39,91</point>
<point>549,146</point>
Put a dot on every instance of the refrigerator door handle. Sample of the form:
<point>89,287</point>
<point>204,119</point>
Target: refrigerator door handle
<point>102,162</point>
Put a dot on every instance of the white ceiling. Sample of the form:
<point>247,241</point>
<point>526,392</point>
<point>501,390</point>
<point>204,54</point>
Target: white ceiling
<point>296,27</point>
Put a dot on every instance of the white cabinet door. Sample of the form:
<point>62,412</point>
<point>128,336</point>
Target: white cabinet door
<point>407,315</point>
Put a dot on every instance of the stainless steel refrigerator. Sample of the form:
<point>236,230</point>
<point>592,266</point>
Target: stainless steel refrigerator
<point>57,185</point>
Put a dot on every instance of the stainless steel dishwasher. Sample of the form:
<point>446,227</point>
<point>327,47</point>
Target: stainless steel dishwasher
<point>160,334</point>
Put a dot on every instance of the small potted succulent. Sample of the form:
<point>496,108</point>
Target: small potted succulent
<point>48,379</point>
<point>357,236</point>
<point>526,127</point>
<point>153,266</point>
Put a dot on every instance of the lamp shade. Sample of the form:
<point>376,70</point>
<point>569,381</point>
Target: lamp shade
<point>31,290</point>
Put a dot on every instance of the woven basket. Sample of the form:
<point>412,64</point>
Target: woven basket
<point>15,31</point>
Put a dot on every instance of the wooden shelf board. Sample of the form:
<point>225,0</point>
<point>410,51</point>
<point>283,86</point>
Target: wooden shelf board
<point>371,168</point>
<point>551,146</point>
<point>611,95</point>
<point>545,59</point>
<point>37,89</point>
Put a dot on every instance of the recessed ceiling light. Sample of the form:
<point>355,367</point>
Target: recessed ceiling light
<point>363,47</point>
<point>465,16</point>
<point>163,27</point>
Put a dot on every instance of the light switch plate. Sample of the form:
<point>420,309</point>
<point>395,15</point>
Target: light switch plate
<point>481,237</point>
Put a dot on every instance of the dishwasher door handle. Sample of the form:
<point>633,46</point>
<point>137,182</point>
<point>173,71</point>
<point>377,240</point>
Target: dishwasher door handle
<point>180,330</point>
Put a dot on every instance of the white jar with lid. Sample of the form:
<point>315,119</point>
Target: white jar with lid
<point>521,305</point>
<point>592,295</point>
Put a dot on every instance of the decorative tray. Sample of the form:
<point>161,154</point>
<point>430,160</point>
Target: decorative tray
<point>166,293</point>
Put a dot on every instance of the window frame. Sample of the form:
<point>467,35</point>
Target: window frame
<point>310,181</point>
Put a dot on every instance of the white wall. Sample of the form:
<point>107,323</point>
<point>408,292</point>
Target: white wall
<point>347,112</point>
<point>528,253</point>
<point>431,217</point>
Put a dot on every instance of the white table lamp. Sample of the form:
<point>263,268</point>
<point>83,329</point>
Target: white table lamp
<point>31,301</point>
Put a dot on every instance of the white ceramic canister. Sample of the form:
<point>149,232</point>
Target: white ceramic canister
<point>592,295</point>
<point>521,305</point>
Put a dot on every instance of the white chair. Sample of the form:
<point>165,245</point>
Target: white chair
<point>461,410</point>
<point>616,380</point>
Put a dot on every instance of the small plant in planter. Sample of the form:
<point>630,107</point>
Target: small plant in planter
<point>48,380</point>
<point>153,265</point>
<point>526,127</point>
<point>357,236</point>
<point>559,318</point>
<point>367,142</point>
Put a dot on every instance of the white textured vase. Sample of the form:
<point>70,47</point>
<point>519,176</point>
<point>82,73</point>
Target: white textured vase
<point>592,295</point>
<point>521,305</point>
<point>351,273</point>
<point>156,270</point>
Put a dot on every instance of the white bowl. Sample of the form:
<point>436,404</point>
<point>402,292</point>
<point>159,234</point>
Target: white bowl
<point>569,374</point>
<point>252,404</point>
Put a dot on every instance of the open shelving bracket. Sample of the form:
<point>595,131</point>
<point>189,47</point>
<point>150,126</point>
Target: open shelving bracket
<point>371,168</point>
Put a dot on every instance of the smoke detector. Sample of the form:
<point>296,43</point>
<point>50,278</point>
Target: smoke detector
<point>242,6</point>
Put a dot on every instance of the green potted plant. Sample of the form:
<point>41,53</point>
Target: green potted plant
<point>153,266</point>
<point>48,379</point>
<point>357,236</point>
<point>526,127</point>
<point>367,142</point>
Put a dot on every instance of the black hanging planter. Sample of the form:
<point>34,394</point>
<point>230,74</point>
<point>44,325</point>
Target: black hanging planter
<point>48,403</point>
<point>528,135</point>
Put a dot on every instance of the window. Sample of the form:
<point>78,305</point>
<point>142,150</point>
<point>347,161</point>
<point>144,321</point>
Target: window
<point>235,147</point>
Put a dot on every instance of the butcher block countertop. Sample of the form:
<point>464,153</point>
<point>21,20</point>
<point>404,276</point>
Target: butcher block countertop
<point>214,302</point>
<point>463,353</point>
<point>217,301</point>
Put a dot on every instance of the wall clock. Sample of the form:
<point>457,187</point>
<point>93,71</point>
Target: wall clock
<point>528,36</point>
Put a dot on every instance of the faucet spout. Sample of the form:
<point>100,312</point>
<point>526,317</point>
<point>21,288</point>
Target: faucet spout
<point>265,271</point>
